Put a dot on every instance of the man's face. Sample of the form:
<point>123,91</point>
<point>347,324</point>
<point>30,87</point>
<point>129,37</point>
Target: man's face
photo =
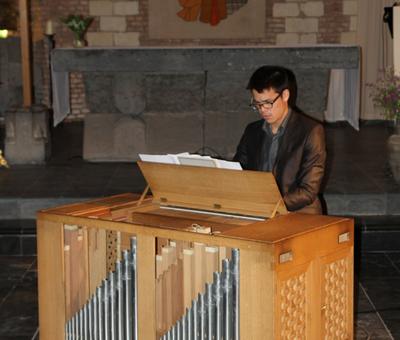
<point>272,106</point>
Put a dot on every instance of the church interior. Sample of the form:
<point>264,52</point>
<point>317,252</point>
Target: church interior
<point>87,86</point>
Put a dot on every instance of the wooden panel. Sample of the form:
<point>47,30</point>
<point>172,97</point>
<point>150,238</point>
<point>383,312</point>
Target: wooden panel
<point>293,302</point>
<point>25,49</point>
<point>113,250</point>
<point>146,286</point>
<point>242,192</point>
<point>217,240</point>
<point>165,219</point>
<point>220,221</point>
<point>77,285</point>
<point>50,245</point>
<point>283,227</point>
<point>316,242</point>
<point>312,259</point>
<point>97,249</point>
<point>337,295</point>
<point>305,247</point>
<point>256,294</point>
<point>86,208</point>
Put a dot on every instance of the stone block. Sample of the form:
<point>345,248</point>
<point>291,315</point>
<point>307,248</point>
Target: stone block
<point>98,86</point>
<point>348,38</point>
<point>285,10</point>
<point>174,92</point>
<point>10,245</point>
<point>9,209</point>
<point>127,39</point>
<point>168,132</point>
<point>126,7</point>
<point>112,24</point>
<point>353,205</point>
<point>98,8</point>
<point>350,7</point>
<point>127,89</point>
<point>113,137</point>
<point>227,95</point>
<point>301,25</point>
<point>367,204</point>
<point>393,204</point>
<point>353,23</point>
<point>129,139</point>
<point>27,135</point>
<point>223,130</point>
<point>13,49</point>
<point>100,38</point>
<point>287,38</point>
<point>14,74</point>
<point>28,245</point>
<point>310,38</point>
<point>98,137</point>
<point>312,95</point>
<point>129,93</point>
<point>312,8</point>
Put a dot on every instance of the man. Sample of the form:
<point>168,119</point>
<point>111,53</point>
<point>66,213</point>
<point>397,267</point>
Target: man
<point>284,141</point>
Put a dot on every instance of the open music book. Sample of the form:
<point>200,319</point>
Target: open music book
<point>190,159</point>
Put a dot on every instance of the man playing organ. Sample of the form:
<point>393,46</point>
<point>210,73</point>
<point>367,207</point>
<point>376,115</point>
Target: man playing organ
<point>284,140</point>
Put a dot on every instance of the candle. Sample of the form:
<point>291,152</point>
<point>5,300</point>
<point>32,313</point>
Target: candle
<point>49,27</point>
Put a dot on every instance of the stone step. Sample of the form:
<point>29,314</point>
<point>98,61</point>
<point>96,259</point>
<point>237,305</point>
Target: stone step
<point>373,234</point>
<point>383,204</point>
<point>18,237</point>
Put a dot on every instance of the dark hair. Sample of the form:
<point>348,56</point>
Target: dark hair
<point>277,78</point>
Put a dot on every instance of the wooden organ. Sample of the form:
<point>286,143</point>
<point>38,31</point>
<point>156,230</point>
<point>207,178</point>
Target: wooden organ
<point>212,254</point>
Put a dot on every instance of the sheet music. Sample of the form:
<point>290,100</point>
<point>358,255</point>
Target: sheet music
<point>191,159</point>
<point>167,159</point>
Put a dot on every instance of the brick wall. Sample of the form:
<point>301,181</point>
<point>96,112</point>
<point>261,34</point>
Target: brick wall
<point>125,23</point>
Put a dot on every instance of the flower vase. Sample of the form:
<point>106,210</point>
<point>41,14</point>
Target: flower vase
<point>394,151</point>
<point>79,42</point>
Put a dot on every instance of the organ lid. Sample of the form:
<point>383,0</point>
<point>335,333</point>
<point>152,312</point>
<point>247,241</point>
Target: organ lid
<point>247,193</point>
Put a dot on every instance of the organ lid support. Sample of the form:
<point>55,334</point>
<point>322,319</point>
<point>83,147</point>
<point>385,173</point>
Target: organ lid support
<point>246,193</point>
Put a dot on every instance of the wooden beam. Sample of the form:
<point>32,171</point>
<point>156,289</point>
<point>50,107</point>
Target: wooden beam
<point>25,52</point>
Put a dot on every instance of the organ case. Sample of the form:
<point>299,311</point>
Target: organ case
<point>295,276</point>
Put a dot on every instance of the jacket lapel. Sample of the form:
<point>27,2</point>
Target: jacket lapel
<point>259,147</point>
<point>286,144</point>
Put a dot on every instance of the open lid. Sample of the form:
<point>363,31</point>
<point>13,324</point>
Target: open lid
<point>249,193</point>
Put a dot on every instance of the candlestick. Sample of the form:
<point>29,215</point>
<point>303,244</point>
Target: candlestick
<point>49,27</point>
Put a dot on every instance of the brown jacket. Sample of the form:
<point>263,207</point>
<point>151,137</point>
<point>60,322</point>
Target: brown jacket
<point>300,162</point>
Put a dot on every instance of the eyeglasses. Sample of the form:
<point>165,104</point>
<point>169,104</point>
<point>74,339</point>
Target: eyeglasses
<point>266,104</point>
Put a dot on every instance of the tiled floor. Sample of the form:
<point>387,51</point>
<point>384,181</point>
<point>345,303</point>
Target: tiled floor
<point>18,298</point>
<point>358,178</point>
<point>377,312</point>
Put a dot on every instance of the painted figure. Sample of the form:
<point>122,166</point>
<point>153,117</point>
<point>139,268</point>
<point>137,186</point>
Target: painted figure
<point>208,11</point>
<point>190,10</point>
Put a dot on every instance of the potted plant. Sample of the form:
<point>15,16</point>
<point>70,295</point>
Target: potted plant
<point>78,24</point>
<point>385,93</point>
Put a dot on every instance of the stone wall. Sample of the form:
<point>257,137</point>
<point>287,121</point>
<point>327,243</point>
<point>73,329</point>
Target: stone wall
<point>124,23</point>
<point>316,22</point>
<point>168,100</point>
<point>11,74</point>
